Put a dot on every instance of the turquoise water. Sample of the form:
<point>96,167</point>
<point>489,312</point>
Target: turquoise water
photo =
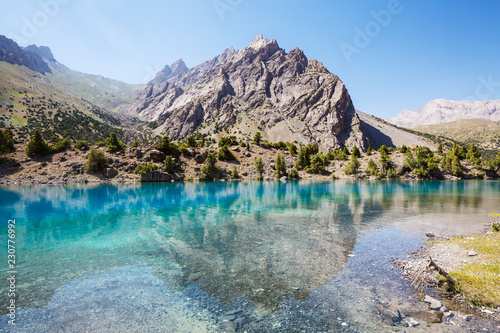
<point>272,256</point>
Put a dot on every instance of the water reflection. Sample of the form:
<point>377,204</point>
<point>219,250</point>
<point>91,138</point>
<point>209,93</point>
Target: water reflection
<point>264,241</point>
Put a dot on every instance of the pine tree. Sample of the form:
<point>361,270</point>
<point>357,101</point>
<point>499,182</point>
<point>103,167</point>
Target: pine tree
<point>280,167</point>
<point>257,138</point>
<point>37,145</point>
<point>210,170</point>
<point>259,168</point>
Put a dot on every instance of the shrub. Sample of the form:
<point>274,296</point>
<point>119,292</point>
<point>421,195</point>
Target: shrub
<point>143,169</point>
<point>259,168</point>
<point>37,145</point>
<point>113,143</point>
<point>82,144</point>
<point>100,144</point>
<point>225,154</point>
<point>280,167</point>
<point>369,151</point>
<point>191,141</point>
<point>228,141</point>
<point>292,149</point>
<point>293,174</point>
<point>62,145</point>
<point>280,145</point>
<point>170,165</point>
<point>96,160</point>
<point>135,144</point>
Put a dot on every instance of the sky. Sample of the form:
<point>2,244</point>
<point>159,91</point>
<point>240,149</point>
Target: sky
<point>391,54</point>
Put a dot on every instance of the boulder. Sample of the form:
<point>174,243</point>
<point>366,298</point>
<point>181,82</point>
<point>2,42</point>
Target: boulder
<point>201,157</point>
<point>156,155</point>
<point>155,177</point>
<point>110,172</point>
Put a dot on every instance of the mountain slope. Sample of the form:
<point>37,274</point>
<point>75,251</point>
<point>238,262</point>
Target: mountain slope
<point>109,94</point>
<point>381,133</point>
<point>441,111</point>
<point>485,133</point>
<point>13,54</point>
<point>260,88</point>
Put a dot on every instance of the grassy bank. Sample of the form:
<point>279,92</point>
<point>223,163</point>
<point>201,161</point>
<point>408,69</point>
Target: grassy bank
<point>479,281</point>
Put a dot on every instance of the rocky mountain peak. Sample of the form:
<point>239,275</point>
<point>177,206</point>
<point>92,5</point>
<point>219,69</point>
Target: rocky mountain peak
<point>42,51</point>
<point>179,67</point>
<point>261,88</point>
<point>268,46</point>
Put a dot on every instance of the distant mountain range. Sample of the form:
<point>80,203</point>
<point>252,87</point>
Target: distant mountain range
<point>442,111</point>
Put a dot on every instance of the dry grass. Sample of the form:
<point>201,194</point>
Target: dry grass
<point>479,282</point>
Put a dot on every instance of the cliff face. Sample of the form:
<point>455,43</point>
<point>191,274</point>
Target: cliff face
<point>442,111</point>
<point>259,88</point>
<point>11,52</point>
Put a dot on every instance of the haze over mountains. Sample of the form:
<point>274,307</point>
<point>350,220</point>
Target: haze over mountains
<point>442,111</point>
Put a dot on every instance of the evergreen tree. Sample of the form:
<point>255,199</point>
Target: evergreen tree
<point>37,145</point>
<point>169,148</point>
<point>372,168</point>
<point>210,170</point>
<point>440,149</point>
<point>257,138</point>
<point>259,168</point>
<point>280,167</point>
<point>292,149</point>
<point>352,167</point>
<point>234,174</point>
<point>6,141</point>
<point>170,166</point>
<point>356,152</point>
<point>113,143</point>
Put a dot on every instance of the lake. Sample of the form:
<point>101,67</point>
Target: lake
<point>225,256</point>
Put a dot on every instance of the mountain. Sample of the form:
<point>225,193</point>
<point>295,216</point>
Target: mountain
<point>286,96</point>
<point>442,111</point>
<point>13,54</point>
<point>485,133</point>
<point>109,94</point>
<point>169,73</point>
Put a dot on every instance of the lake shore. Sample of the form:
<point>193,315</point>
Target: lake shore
<point>436,272</point>
<point>67,167</point>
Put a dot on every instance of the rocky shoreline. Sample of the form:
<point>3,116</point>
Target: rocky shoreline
<point>67,167</point>
<point>443,305</point>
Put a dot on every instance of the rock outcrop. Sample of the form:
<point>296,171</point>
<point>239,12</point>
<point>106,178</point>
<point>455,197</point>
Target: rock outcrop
<point>11,52</point>
<point>42,51</point>
<point>285,95</point>
<point>443,111</point>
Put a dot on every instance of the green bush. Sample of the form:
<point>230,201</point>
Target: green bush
<point>135,144</point>
<point>62,145</point>
<point>96,160</point>
<point>317,164</point>
<point>142,169</point>
<point>210,170</point>
<point>225,154</point>
<point>293,174</point>
<point>228,141</point>
<point>37,145</point>
<point>82,144</point>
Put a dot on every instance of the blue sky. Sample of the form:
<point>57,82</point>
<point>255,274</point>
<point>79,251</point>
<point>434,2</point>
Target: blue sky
<point>392,54</point>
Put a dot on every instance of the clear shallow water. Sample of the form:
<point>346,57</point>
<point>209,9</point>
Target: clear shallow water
<point>275,256</point>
